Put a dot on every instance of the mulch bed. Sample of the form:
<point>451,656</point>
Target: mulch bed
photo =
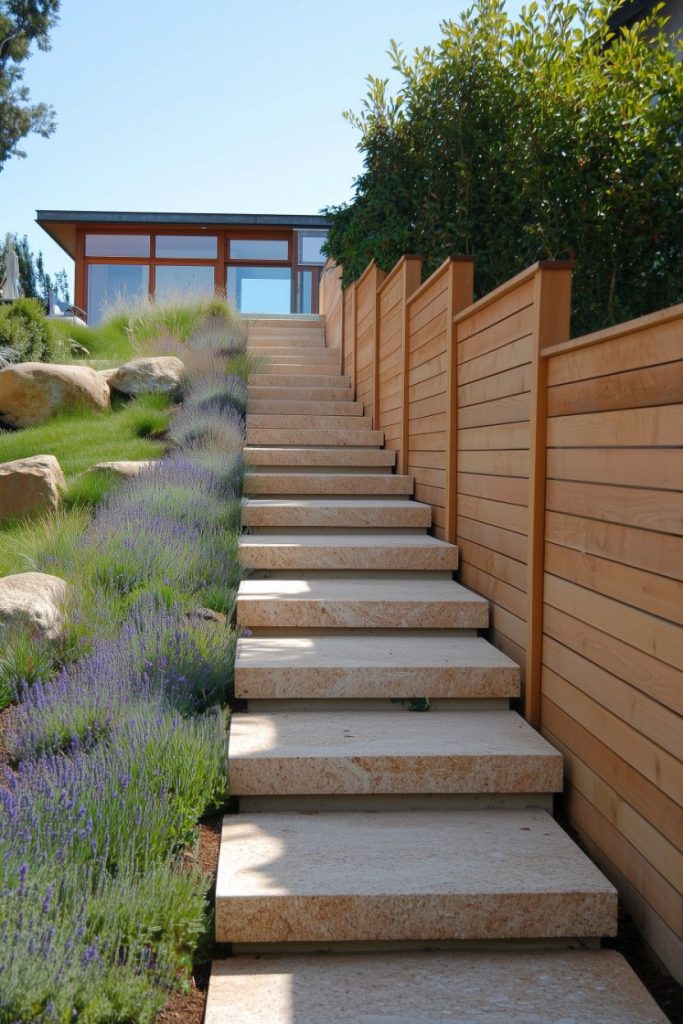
<point>189,1009</point>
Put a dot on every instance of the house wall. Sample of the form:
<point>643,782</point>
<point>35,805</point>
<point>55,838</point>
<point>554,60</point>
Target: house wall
<point>557,468</point>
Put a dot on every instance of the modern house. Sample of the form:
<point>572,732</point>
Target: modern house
<point>265,263</point>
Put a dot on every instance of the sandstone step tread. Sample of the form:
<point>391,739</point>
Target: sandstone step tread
<point>292,407</point>
<point>372,667</point>
<point>293,380</point>
<point>429,987</point>
<point>265,455</point>
<point>423,875</point>
<point>360,603</point>
<point>303,369</point>
<point>277,394</point>
<point>360,752</point>
<point>289,421</point>
<point>322,437</point>
<point>352,551</point>
<point>328,512</point>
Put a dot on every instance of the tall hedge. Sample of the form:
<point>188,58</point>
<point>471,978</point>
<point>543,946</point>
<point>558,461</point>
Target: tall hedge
<point>548,137</point>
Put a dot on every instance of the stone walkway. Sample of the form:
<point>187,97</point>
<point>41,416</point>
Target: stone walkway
<point>394,859</point>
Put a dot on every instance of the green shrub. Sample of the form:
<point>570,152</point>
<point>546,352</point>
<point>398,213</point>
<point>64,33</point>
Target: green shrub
<point>26,335</point>
<point>544,137</point>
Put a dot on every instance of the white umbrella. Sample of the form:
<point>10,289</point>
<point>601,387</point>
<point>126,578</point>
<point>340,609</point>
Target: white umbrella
<point>11,289</point>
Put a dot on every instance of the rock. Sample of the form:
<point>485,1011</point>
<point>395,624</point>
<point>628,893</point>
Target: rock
<point>207,615</point>
<point>124,467</point>
<point>147,376</point>
<point>31,392</point>
<point>29,486</point>
<point>32,599</point>
<point>107,375</point>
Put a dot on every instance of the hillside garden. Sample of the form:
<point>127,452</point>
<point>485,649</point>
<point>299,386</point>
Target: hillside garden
<point>116,689</point>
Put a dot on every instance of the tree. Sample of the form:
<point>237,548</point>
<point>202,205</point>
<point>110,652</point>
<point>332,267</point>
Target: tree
<point>546,138</point>
<point>22,22</point>
<point>35,282</point>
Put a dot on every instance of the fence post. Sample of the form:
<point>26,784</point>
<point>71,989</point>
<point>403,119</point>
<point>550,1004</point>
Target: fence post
<point>460,295</point>
<point>552,312</point>
<point>377,278</point>
<point>411,278</point>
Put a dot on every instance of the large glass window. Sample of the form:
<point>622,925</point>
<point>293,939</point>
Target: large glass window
<point>183,280</point>
<point>187,247</point>
<point>117,245</point>
<point>109,283</point>
<point>260,289</point>
<point>259,249</point>
<point>310,243</point>
<point>305,291</point>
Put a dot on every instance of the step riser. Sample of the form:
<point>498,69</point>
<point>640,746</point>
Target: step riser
<point>315,342</point>
<point>294,408</point>
<point>330,485</point>
<point>274,776</point>
<point>283,517</point>
<point>289,395</point>
<point>307,459</point>
<point>374,683</point>
<point>452,802</point>
<point>303,369</point>
<point>256,421</point>
<point>283,357</point>
<point>423,918</point>
<point>286,557</point>
<point>293,380</point>
<point>303,614</point>
<point>321,438</point>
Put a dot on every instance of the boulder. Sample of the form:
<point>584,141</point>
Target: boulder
<point>29,486</point>
<point>147,376</point>
<point>32,599</point>
<point>124,467</point>
<point>32,392</point>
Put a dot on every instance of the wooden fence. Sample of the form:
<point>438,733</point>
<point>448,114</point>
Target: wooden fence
<point>557,468</point>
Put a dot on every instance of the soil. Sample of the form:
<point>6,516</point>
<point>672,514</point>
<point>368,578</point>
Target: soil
<point>189,1009</point>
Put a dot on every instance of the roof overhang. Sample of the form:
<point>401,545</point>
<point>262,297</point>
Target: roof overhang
<point>61,225</point>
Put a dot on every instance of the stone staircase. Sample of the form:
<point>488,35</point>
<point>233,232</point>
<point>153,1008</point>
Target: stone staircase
<point>394,858</point>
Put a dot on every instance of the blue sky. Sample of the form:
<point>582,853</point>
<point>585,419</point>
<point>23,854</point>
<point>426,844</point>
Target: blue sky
<point>215,106</point>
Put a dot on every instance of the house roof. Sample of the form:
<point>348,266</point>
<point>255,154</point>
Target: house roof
<point>61,225</point>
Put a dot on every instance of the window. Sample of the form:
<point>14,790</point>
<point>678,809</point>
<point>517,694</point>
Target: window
<point>180,280</point>
<point>309,247</point>
<point>109,283</point>
<point>260,289</point>
<point>186,247</point>
<point>117,245</point>
<point>305,304</point>
<point>259,249</point>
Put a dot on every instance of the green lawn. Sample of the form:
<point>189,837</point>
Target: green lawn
<point>81,439</point>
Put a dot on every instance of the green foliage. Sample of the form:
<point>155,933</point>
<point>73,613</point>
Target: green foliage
<point>107,344</point>
<point>22,22</point>
<point>26,335</point>
<point>546,138</point>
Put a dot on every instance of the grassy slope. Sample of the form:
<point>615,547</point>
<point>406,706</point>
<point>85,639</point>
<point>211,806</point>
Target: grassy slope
<point>82,439</point>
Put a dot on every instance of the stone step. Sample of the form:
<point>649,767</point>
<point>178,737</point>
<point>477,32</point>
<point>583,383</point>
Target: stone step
<point>301,369</point>
<point>294,355</point>
<point>299,380</point>
<point>375,752</point>
<point>392,876</point>
<point>322,437</point>
<point>320,458</point>
<point>323,395</point>
<point>336,512</point>
<point>292,407</point>
<point>363,667</point>
<point>328,483</point>
<point>372,552</point>
<point>278,421</point>
<point>314,342</point>
<point>568,986</point>
<point>341,603</point>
